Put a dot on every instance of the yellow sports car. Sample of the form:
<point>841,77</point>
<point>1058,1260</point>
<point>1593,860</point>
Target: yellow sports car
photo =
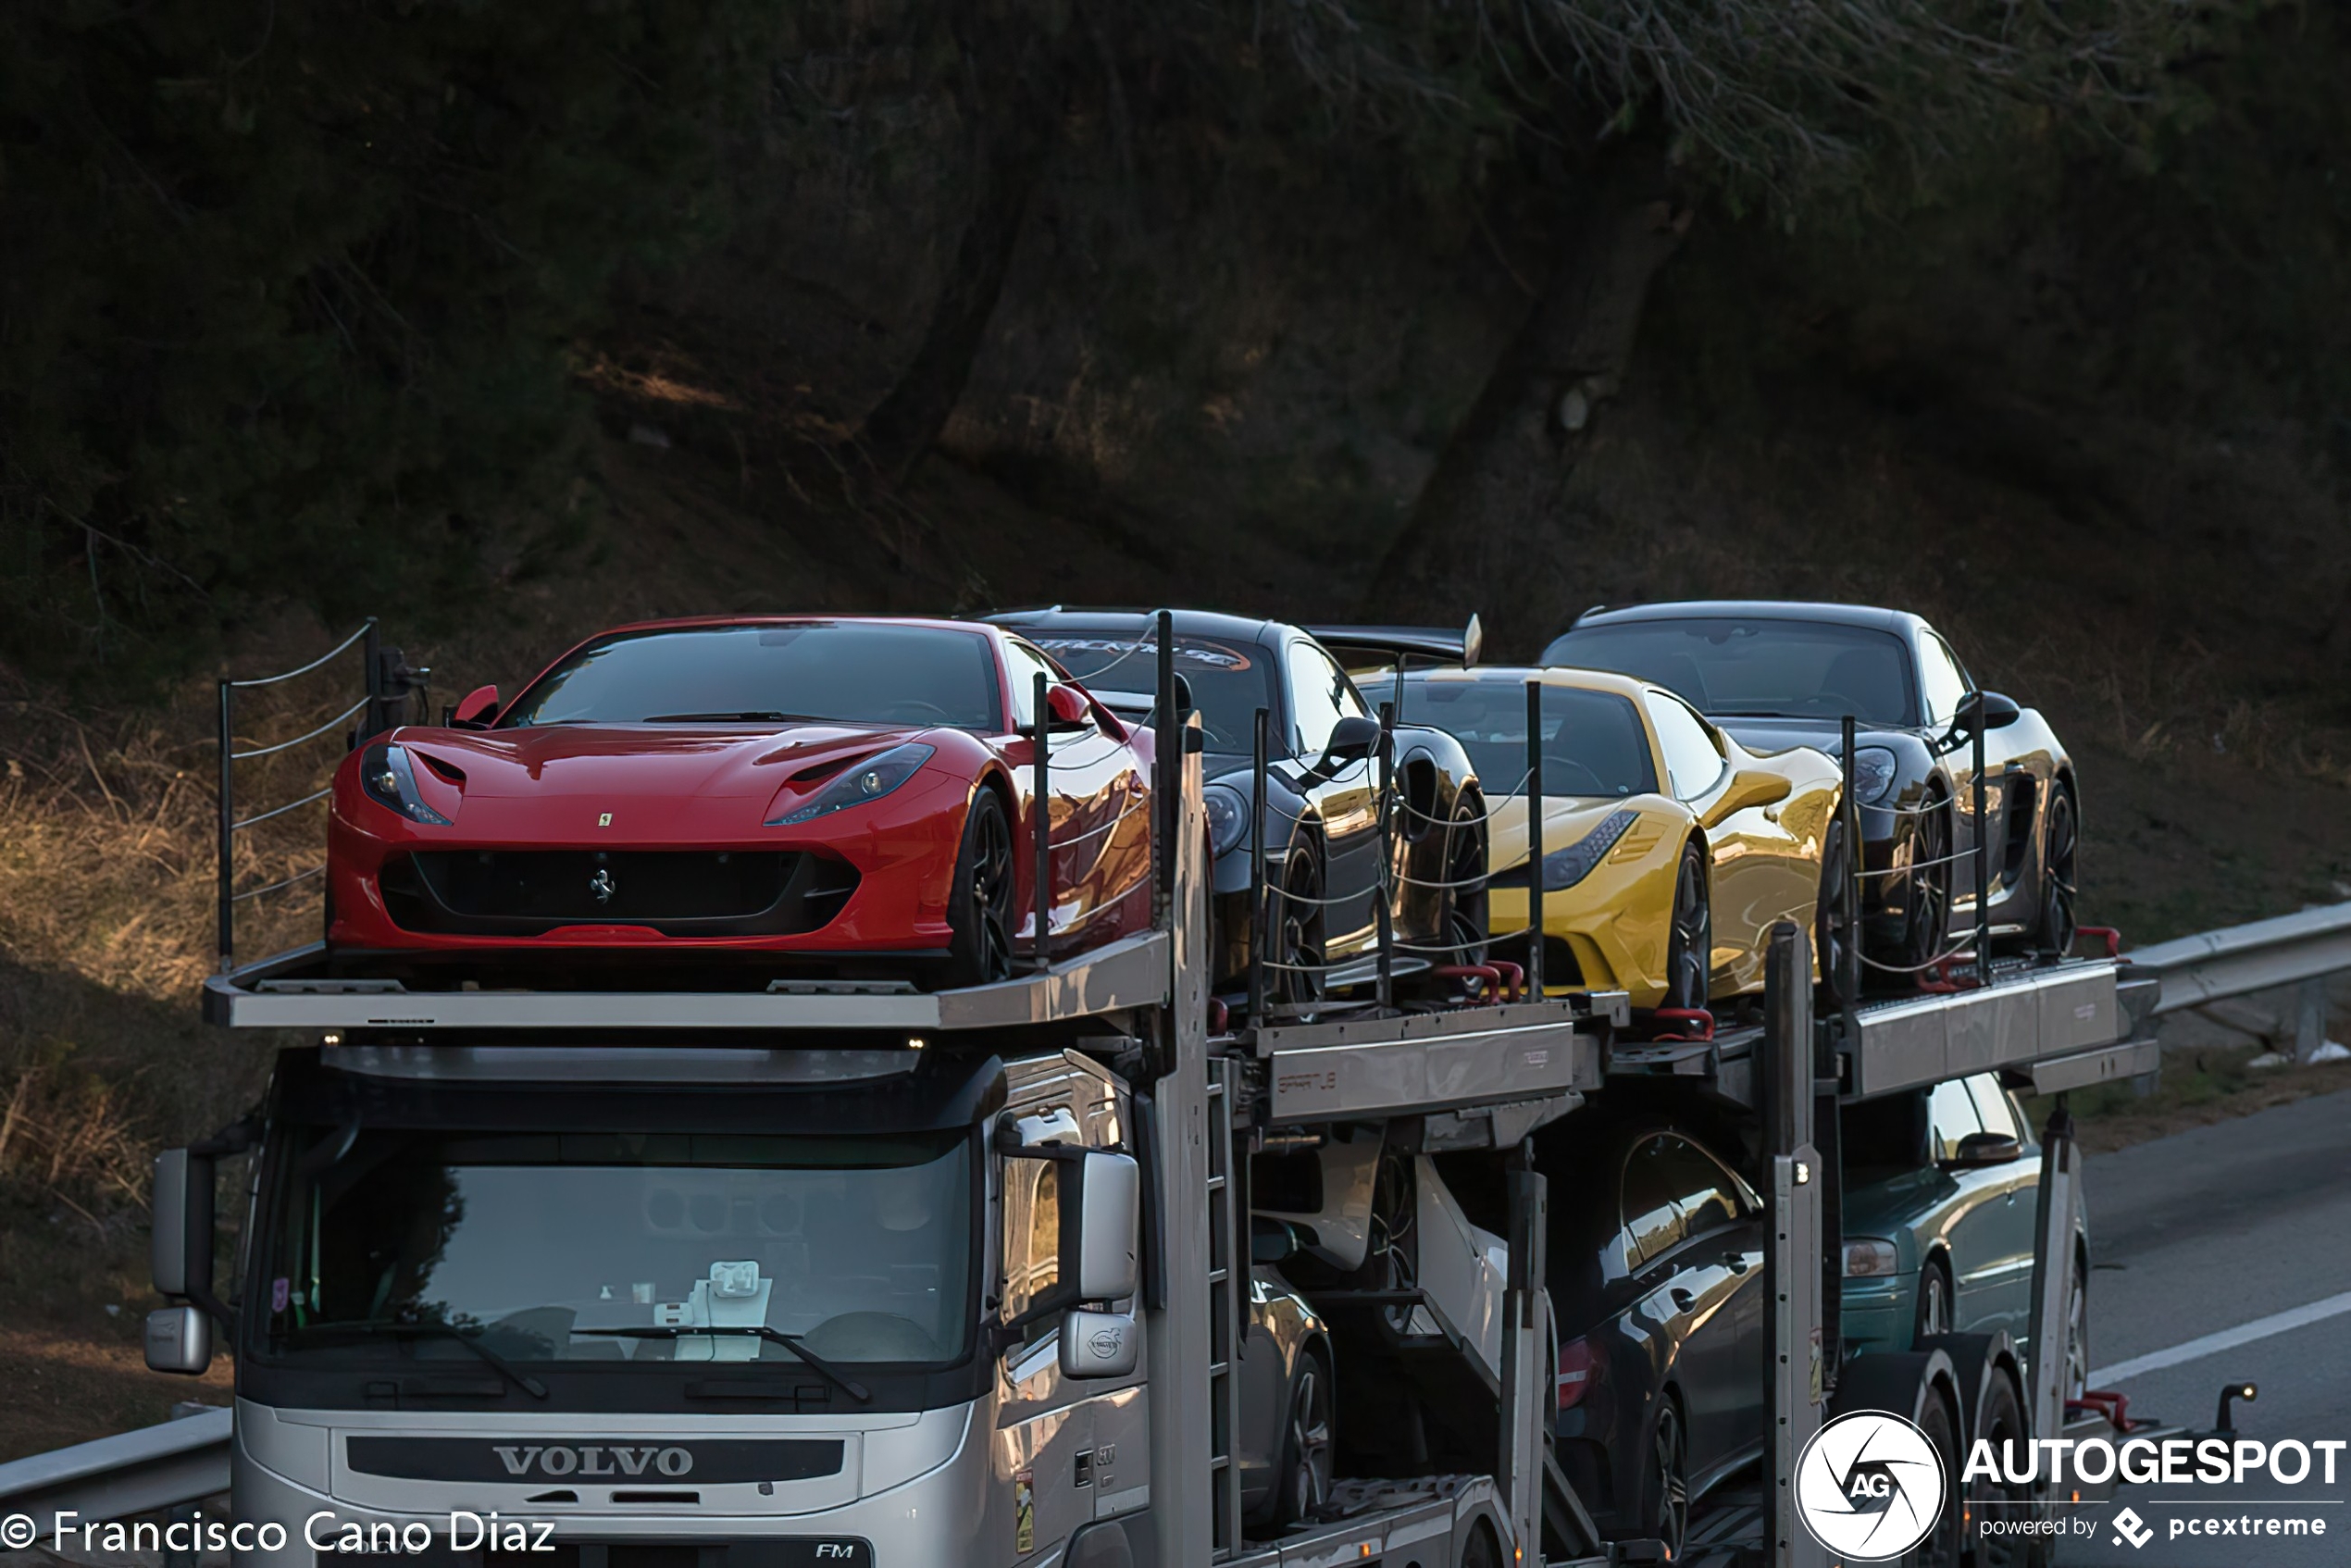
<point>1670,850</point>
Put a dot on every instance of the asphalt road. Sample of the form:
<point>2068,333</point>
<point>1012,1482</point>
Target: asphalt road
<point>2241,1226</point>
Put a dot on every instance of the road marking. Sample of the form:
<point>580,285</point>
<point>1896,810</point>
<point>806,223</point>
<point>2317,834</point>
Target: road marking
<point>2226,1339</point>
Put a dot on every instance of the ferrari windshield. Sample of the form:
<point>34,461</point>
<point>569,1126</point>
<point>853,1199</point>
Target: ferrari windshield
<point>1227,680</point>
<point>1593,742</point>
<point>1755,668</point>
<point>854,672</point>
<point>586,1246</point>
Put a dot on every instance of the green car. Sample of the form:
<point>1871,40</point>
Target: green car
<point>1941,1203</point>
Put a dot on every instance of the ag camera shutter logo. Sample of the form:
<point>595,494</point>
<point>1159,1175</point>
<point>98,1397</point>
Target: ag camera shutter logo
<point>1869,1485</point>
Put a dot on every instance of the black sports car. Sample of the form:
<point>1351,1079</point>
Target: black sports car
<point>1780,674</point>
<point>1324,829</point>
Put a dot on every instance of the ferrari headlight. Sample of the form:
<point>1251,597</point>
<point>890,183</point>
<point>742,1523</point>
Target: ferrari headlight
<point>1873,771</point>
<point>869,780</point>
<point>1868,1258</point>
<point>1564,868</point>
<point>1227,816</point>
<point>389,780</point>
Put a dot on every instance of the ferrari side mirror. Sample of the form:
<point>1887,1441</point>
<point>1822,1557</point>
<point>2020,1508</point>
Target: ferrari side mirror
<point>480,705</point>
<point>1068,707</point>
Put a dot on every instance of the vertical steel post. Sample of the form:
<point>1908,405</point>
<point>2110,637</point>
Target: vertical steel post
<point>371,652</point>
<point>1383,912</point>
<point>1042,787</point>
<point>2053,1279</point>
<point>227,826</point>
<point>1793,1370</point>
<point>1167,768</point>
<point>1848,980</point>
<point>1983,859</point>
<point>1534,839</point>
<point>1526,1378</point>
<point>1259,905</point>
<point>1176,1341</point>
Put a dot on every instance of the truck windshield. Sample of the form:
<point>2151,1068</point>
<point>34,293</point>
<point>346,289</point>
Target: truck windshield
<point>539,1246</point>
<point>853,672</point>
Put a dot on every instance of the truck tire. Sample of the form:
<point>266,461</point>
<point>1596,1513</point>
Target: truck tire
<point>1917,1386</point>
<point>1990,1382</point>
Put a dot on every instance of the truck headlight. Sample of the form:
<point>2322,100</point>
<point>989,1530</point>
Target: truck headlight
<point>389,780</point>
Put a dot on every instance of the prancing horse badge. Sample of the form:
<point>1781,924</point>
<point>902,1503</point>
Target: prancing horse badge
<point>605,820</point>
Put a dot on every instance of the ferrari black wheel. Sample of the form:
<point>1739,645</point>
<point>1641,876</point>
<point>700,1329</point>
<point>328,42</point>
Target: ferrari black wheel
<point>1929,904</point>
<point>1462,928</point>
<point>2061,843</point>
<point>1689,949</point>
<point>1833,917</point>
<point>1294,946</point>
<point>980,907</point>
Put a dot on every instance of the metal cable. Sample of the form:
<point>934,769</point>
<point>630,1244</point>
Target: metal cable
<point>288,745</point>
<point>257,892</point>
<point>1492,812</point>
<point>281,811</point>
<point>1097,832</point>
<point>1968,947</point>
<point>323,658</point>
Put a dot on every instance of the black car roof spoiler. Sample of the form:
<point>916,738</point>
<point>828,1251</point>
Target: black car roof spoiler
<point>1363,645</point>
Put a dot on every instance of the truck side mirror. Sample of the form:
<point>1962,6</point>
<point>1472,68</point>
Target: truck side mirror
<point>180,1258</point>
<point>1108,1210</point>
<point>1099,1344</point>
<point>179,1340</point>
<point>173,1233</point>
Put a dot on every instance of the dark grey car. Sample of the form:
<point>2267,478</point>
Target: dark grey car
<point>1323,839</point>
<point>1777,673</point>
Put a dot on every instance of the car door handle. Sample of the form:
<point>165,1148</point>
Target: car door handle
<point>1735,1262</point>
<point>1682,1300</point>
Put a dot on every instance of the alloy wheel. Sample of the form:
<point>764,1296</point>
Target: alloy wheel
<point>2077,1334</point>
<point>1834,917</point>
<point>1671,1479</point>
<point>992,893</point>
<point>1930,902</point>
<point>1934,1304</point>
<point>1308,1485</point>
<point>1463,931</point>
<point>1296,944</point>
<point>1689,949</point>
<point>2058,922</point>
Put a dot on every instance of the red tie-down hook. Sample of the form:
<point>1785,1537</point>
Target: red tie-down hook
<point>1682,1023</point>
<point>1481,982</point>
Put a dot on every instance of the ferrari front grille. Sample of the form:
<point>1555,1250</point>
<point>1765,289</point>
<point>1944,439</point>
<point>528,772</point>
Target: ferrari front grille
<point>677,892</point>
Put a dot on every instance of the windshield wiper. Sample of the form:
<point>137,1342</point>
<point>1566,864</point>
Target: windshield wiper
<point>469,1338</point>
<point>748,715</point>
<point>791,1342</point>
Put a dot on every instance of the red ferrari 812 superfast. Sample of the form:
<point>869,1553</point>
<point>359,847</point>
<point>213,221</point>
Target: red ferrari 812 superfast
<point>795,795</point>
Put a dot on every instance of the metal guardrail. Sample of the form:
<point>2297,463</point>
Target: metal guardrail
<point>2264,955</point>
<point>132,1473</point>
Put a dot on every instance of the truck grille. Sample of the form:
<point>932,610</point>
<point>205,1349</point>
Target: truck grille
<point>677,892</point>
